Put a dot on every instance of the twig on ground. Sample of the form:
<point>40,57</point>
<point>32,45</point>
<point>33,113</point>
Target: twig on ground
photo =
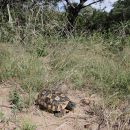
<point>6,106</point>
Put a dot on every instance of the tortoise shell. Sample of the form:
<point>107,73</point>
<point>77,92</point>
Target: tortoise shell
<point>52,100</point>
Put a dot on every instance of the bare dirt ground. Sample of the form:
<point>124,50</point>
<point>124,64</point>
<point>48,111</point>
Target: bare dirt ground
<point>83,118</point>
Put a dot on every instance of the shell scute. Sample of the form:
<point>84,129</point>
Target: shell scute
<point>52,100</point>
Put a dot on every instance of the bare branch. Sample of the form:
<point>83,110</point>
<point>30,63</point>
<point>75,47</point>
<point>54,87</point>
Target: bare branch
<point>81,4</point>
<point>92,3</point>
<point>83,1</point>
<point>65,6</point>
<point>67,1</point>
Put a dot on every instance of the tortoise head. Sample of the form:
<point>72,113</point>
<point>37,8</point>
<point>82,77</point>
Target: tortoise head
<point>71,105</point>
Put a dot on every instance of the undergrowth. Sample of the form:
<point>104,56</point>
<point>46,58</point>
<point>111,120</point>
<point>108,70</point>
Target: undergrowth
<point>26,125</point>
<point>15,100</point>
<point>82,61</point>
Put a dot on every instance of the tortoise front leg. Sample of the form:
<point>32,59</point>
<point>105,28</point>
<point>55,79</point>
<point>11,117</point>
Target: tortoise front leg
<point>58,113</point>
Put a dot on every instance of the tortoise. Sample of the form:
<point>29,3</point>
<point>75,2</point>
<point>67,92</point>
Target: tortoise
<point>55,102</point>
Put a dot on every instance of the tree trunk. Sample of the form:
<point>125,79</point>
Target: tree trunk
<point>72,15</point>
<point>73,11</point>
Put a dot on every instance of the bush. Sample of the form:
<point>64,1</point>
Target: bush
<point>15,100</point>
<point>28,126</point>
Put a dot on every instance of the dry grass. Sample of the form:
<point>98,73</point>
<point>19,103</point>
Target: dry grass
<point>83,62</point>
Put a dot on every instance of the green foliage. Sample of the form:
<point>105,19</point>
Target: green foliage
<point>121,10</point>
<point>28,126</point>
<point>99,20</point>
<point>2,118</point>
<point>47,22</point>
<point>15,100</point>
<point>92,19</point>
